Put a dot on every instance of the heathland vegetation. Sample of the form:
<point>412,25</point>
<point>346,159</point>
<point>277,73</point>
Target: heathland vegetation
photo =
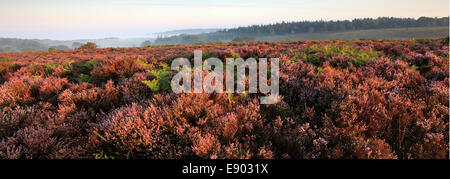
<point>339,99</point>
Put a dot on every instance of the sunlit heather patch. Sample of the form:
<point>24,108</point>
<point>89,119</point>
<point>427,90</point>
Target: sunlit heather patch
<point>213,82</point>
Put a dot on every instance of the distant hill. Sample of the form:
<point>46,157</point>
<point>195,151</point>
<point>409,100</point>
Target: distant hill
<point>25,45</point>
<point>310,29</point>
<point>186,32</point>
<point>103,42</point>
<point>21,45</point>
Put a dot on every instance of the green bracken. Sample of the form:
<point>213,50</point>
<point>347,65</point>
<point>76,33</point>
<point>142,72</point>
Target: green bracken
<point>317,54</point>
<point>84,78</point>
<point>162,79</point>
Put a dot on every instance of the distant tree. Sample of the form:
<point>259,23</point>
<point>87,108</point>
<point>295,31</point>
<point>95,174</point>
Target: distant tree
<point>192,39</point>
<point>89,45</point>
<point>244,39</point>
<point>76,44</point>
<point>51,49</point>
<point>146,43</point>
<point>60,47</point>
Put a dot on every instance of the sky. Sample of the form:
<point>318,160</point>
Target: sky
<point>88,19</point>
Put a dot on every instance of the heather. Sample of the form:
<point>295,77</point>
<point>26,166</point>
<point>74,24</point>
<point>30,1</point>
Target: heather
<point>375,99</point>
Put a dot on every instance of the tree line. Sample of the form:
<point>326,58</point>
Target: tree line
<point>333,26</point>
<point>301,27</point>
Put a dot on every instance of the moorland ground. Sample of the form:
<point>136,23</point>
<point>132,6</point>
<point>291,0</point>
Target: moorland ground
<point>340,99</point>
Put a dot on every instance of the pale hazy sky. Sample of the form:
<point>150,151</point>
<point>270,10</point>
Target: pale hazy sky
<point>64,19</point>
